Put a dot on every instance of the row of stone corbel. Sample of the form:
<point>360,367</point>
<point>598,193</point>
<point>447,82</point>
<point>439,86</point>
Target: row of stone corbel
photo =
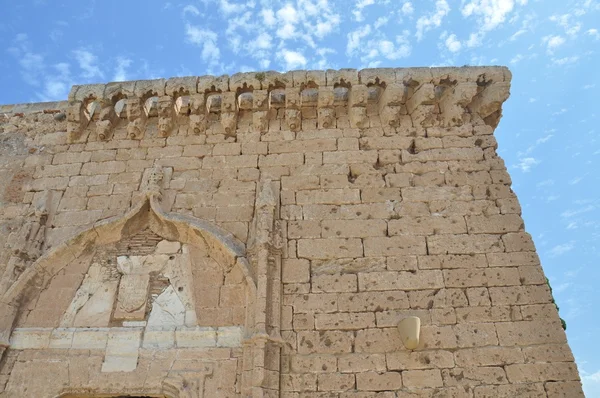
<point>421,96</point>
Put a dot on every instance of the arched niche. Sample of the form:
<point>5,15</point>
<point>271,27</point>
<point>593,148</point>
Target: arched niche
<point>217,243</point>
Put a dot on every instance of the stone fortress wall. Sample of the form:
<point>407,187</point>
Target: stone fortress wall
<point>263,234</point>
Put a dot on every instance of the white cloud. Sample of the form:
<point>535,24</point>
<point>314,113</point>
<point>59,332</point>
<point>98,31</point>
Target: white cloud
<point>517,58</point>
<point>191,9</point>
<point>262,42</point>
<point>207,40</point>
<point>433,20</point>
<point>52,83</point>
<point>407,8</point>
<point>565,60</point>
<point>576,212</point>
<point>293,59</point>
<point>571,28</point>
<point>553,42</point>
<point>594,33</point>
<point>575,180</point>
<point>87,62</point>
<point>358,8</point>
<point>591,383</point>
<point>453,44</point>
<point>381,21</point>
<point>490,14</point>
<point>120,70</point>
<point>559,250</point>
<point>545,183</point>
<point>325,27</point>
<point>373,51</point>
<point>268,17</point>
<point>525,164</point>
<point>354,38</point>
<point>288,17</point>
<point>232,8</point>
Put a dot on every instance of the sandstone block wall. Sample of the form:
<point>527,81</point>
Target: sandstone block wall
<point>310,213</point>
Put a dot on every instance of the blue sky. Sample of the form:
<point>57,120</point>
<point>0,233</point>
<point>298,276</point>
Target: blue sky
<point>548,135</point>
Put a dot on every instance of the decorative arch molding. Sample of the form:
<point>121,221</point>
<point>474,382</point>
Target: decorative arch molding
<point>147,213</point>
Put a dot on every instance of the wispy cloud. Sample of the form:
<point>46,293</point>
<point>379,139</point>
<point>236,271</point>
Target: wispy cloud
<point>121,69</point>
<point>191,9</point>
<point>490,14</point>
<point>88,63</point>
<point>293,59</point>
<point>358,9</point>
<point>453,44</point>
<point>433,20</point>
<point>207,40</point>
<point>525,164</point>
<point>575,212</point>
<point>552,42</point>
<point>561,249</point>
<point>591,383</point>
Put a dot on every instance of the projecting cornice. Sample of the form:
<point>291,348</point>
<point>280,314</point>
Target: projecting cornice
<point>297,100</point>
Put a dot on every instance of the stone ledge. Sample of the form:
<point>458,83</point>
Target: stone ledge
<point>270,80</point>
<point>35,107</point>
<point>105,338</point>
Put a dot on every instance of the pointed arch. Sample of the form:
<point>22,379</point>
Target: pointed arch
<point>220,244</point>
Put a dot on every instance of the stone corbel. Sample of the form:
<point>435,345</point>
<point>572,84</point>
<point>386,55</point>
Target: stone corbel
<point>421,106</point>
<point>357,106</point>
<point>293,115</point>
<point>136,117</point>
<point>76,121</point>
<point>165,116</point>
<point>187,384</point>
<point>107,121</point>
<point>453,102</point>
<point>229,113</point>
<point>198,119</point>
<point>325,111</point>
<point>487,104</point>
<point>390,105</point>
<point>260,114</point>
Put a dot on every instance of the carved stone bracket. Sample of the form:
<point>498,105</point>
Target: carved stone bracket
<point>187,384</point>
<point>417,97</point>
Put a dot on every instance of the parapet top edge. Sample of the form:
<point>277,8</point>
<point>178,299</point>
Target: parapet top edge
<point>297,78</point>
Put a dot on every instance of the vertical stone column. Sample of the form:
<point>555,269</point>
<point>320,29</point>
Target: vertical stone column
<point>262,350</point>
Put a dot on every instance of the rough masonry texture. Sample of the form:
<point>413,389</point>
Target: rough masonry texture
<point>263,234</point>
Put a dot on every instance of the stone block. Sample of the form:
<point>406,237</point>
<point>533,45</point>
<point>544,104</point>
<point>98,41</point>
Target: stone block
<point>325,342</point>
<point>422,378</point>
<point>353,228</point>
<point>90,339</point>
<point>335,382</point>
<point>195,337</point>
<point>374,381</point>
<point>526,333</point>
<point>394,246</point>
<point>358,363</point>
<point>413,360</point>
<point>229,336</point>
<point>159,338</point>
<point>30,338</point>
<point>344,321</point>
<point>391,280</point>
<point>496,224</point>
<point>329,248</point>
